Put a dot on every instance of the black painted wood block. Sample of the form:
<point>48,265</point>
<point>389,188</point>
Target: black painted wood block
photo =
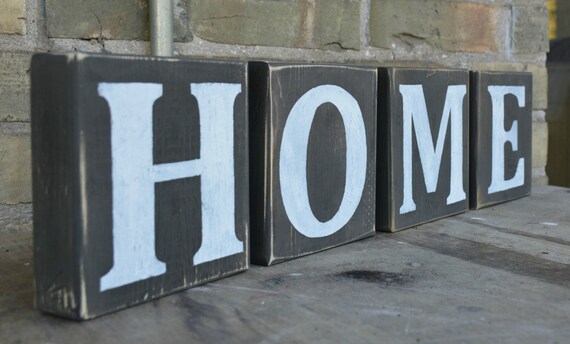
<point>423,156</point>
<point>501,137</point>
<point>140,178</point>
<point>313,149</point>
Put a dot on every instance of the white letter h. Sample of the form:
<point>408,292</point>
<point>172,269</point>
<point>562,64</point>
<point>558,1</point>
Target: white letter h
<point>134,176</point>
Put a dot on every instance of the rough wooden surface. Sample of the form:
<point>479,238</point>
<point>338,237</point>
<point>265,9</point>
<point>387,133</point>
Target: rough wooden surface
<point>499,274</point>
<point>487,184</point>
<point>340,192</point>
<point>408,146</point>
<point>183,225</point>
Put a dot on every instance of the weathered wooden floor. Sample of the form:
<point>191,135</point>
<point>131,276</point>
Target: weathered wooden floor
<point>496,275</point>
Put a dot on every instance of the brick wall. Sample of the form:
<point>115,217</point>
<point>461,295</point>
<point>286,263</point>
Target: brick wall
<point>503,35</point>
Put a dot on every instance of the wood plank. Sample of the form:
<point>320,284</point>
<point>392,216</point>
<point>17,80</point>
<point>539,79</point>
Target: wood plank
<point>313,134</point>
<point>501,137</point>
<point>537,245</point>
<point>140,170</point>
<point>416,285</point>
<point>423,154</point>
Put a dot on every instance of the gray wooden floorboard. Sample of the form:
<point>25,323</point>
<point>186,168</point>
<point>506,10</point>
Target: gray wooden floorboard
<point>499,274</point>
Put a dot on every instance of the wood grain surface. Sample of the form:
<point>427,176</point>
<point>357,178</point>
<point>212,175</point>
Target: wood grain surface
<point>75,132</point>
<point>276,89</point>
<point>499,274</point>
<point>396,139</point>
<point>517,119</point>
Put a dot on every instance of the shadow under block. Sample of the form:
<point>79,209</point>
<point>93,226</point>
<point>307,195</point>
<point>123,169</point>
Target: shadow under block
<point>423,156</point>
<point>140,170</point>
<point>313,150</point>
<point>501,137</point>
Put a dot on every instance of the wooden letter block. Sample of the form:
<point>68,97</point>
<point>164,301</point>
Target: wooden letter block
<point>140,171</point>
<point>313,149</point>
<point>422,146</point>
<point>501,137</point>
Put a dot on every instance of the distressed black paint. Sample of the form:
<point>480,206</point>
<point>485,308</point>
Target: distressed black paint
<point>275,90</point>
<point>72,180</point>
<point>481,137</point>
<point>390,168</point>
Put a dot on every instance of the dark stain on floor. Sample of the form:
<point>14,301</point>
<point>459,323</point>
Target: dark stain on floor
<point>275,281</point>
<point>468,309</point>
<point>375,276</point>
